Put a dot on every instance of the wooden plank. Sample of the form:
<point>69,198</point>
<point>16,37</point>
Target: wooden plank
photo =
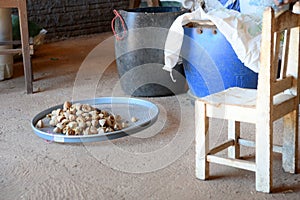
<point>153,3</point>
<point>237,163</point>
<point>294,56</point>
<point>230,112</point>
<point>202,140</point>
<point>234,134</point>
<point>233,96</point>
<point>290,142</point>
<point>221,147</point>
<point>10,51</point>
<point>134,3</point>
<point>15,42</point>
<point>290,135</point>
<point>282,19</point>
<point>22,10</point>
<point>264,153</point>
<point>282,85</point>
<point>264,97</point>
<point>264,123</point>
<point>9,3</point>
<point>284,106</point>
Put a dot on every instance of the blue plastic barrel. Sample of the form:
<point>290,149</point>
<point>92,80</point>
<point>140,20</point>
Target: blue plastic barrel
<point>210,63</point>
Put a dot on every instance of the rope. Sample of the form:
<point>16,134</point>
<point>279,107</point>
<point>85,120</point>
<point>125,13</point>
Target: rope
<point>117,15</point>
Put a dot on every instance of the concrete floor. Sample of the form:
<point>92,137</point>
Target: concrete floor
<point>157,163</point>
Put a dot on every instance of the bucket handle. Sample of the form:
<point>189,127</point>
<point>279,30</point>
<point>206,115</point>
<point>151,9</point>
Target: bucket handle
<point>117,15</point>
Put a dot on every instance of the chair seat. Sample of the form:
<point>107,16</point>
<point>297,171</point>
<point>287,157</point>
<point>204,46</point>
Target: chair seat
<point>242,97</point>
<point>232,96</point>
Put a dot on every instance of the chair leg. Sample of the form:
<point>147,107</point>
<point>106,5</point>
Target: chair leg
<point>153,3</point>
<point>25,46</point>
<point>290,142</point>
<point>134,3</point>
<point>264,154</point>
<point>202,140</point>
<point>234,133</point>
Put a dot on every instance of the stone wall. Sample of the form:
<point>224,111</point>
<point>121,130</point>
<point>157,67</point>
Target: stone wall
<point>69,18</point>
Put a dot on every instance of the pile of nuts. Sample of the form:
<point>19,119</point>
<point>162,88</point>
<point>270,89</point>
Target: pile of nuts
<point>83,119</point>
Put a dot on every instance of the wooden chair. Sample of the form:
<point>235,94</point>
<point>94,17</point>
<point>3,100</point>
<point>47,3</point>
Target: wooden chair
<point>136,3</point>
<point>274,98</point>
<point>25,50</point>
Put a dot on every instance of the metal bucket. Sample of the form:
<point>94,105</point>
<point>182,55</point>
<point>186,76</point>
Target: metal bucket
<point>139,48</point>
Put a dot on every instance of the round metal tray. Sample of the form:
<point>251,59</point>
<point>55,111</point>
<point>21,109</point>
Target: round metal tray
<point>145,111</point>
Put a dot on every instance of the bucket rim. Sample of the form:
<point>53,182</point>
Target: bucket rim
<point>154,10</point>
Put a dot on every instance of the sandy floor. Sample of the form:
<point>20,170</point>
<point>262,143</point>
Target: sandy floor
<point>157,163</point>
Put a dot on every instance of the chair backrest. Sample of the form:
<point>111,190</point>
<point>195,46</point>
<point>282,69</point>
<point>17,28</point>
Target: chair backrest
<point>279,45</point>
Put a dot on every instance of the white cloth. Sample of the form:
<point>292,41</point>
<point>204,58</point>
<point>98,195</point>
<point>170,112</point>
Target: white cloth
<point>195,4</point>
<point>243,32</point>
